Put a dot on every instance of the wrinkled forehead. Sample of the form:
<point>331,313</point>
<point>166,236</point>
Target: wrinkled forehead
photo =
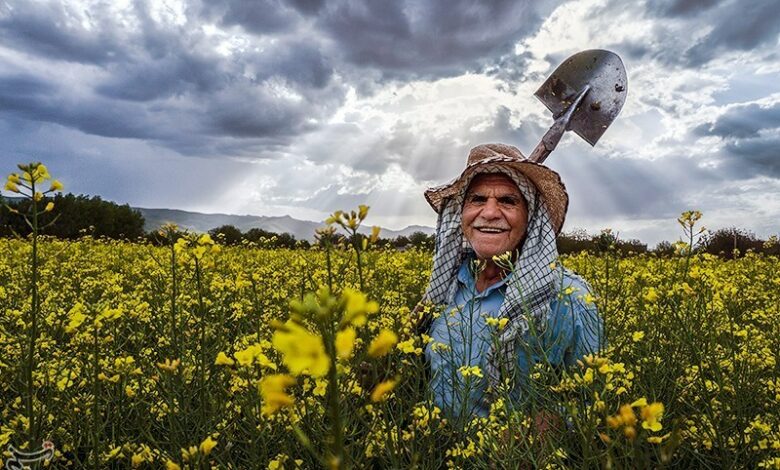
<point>500,181</point>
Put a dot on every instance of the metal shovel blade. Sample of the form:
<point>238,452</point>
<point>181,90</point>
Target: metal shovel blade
<point>603,72</point>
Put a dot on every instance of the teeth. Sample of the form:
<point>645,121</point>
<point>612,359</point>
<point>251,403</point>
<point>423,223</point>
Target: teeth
<point>490,230</point>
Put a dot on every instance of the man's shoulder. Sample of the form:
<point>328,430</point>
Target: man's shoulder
<point>572,283</point>
<point>575,298</point>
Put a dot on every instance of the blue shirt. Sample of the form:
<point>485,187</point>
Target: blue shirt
<point>462,337</point>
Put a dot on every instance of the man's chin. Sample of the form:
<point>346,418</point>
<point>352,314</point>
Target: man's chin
<point>487,253</point>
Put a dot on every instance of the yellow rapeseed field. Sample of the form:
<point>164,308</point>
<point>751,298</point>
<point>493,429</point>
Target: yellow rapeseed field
<point>195,355</point>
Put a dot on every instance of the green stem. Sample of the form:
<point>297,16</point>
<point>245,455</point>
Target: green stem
<point>95,395</point>
<point>360,268</point>
<point>334,405</point>
<point>330,270</point>
<point>33,339</point>
<point>202,358</point>
<point>174,293</point>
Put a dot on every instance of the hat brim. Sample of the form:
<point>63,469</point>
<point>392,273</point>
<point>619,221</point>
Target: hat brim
<point>547,181</point>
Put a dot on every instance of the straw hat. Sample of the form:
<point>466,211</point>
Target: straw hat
<point>493,158</point>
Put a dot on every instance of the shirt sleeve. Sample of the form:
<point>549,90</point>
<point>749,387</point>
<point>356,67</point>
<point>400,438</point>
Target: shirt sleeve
<point>574,328</point>
<point>587,326</point>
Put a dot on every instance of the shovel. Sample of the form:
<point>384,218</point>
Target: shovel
<point>585,94</point>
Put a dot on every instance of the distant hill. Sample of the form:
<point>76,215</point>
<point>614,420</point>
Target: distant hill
<point>301,229</point>
<point>198,222</point>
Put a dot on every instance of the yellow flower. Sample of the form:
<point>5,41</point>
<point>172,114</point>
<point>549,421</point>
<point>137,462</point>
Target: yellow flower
<point>382,389</point>
<point>375,233</point>
<point>640,402</point>
<point>169,365</point>
<point>588,376</point>
<point>345,342</point>
<point>637,336</point>
<point>499,323</point>
<point>171,465</point>
<point>302,352</point>
<point>56,186</point>
<point>223,360</point>
<point>382,344</point>
<point>320,387</point>
<point>408,347</point>
<point>357,308</point>
<point>651,415</point>
<point>190,453</point>
<point>76,318</point>
<point>627,416</point>
<point>114,378</point>
<point>651,295</point>
<point>41,173</point>
<point>207,445</point>
<point>273,390</point>
<point>37,196</point>
<point>11,186</point>
<point>362,211</point>
<point>657,439</point>
<point>467,371</point>
<point>49,207</point>
<point>252,354</point>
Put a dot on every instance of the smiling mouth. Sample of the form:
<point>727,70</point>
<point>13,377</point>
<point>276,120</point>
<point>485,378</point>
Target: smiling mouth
<point>491,230</point>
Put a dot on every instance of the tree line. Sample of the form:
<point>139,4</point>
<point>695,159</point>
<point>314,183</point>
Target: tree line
<point>77,216</point>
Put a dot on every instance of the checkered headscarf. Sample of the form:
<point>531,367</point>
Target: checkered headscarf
<point>529,290</point>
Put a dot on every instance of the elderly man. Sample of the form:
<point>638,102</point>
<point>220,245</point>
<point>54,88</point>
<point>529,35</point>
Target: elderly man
<point>505,302</point>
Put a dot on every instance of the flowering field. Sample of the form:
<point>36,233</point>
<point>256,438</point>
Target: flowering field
<point>193,355</point>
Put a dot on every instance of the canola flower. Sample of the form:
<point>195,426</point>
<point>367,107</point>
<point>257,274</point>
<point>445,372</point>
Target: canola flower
<point>383,343</point>
<point>273,389</point>
<point>303,352</point>
<point>382,389</point>
<point>113,326</point>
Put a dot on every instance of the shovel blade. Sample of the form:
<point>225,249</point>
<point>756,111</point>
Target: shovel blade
<point>604,72</point>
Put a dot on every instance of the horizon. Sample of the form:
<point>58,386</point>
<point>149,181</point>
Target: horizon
<point>569,232</point>
<point>315,106</point>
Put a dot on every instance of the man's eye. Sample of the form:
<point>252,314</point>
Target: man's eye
<point>508,201</point>
<point>477,199</point>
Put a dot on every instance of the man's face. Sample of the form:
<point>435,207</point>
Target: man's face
<point>495,215</point>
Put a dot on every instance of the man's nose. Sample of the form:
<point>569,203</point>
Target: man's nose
<point>491,210</point>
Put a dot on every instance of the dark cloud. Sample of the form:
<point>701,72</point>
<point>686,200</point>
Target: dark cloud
<point>742,121</point>
<point>56,31</point>
<point>675,8</point>
<point>258,16</point>
<point>750,135</point>
<point>166,82</point>
<point>737,27</point>
<point>426,38</point>
<point>754,156</point>
<point>153,79</point>
<point>692,33</point>
<point>308,7</point>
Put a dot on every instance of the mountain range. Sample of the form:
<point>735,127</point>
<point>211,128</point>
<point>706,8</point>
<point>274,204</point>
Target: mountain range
<point>301,229</point>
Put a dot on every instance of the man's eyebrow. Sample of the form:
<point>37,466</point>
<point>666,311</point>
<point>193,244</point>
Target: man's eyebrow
<point>507,194</point>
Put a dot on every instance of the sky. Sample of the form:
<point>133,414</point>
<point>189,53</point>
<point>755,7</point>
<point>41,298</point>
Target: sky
<point>303,107</point>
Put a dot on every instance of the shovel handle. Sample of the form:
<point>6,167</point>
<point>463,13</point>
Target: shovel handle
<point>554,134</point>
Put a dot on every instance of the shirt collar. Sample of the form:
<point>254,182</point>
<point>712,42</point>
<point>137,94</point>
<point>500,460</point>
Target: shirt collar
<point>466,278</point>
